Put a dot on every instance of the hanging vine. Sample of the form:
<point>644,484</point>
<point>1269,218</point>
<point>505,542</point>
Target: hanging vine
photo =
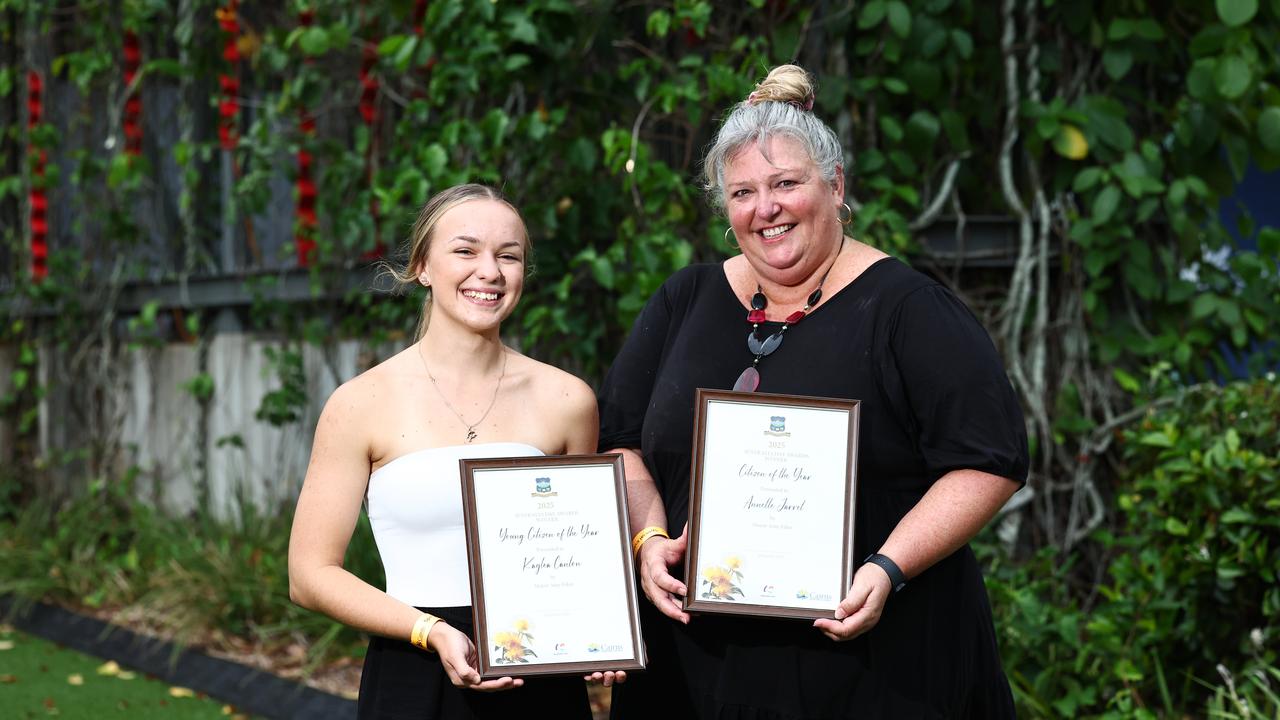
<point>1108,136</point>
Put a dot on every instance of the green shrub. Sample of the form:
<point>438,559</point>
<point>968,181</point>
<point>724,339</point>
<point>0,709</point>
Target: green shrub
<point>1190,573</point>
<point>193,578</point>
<point>1196,569</point>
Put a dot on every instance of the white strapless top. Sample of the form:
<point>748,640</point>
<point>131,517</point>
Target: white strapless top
<point>415,508</point>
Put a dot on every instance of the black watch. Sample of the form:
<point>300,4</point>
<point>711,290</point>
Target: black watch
<point>896,577</point>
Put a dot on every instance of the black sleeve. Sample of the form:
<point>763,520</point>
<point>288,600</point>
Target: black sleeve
<point>965,412</point>
<point>625,395</point>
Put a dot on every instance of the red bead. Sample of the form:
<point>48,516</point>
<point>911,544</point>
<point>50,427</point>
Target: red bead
<point>795,317</point>
<point>755,317</point>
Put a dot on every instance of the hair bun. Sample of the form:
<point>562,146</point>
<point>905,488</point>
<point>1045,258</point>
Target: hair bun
<point>787,84</point>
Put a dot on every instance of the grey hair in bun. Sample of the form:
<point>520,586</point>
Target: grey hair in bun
<point>781,104</point>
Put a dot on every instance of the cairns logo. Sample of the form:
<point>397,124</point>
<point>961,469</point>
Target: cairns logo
<point>777,426</point>
<point>542,488</point>
<point>802,594</point>
<point>593,648</point>
<point>597,647</point>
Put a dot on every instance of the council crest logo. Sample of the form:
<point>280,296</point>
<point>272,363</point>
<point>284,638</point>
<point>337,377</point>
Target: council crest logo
<point>542,487</point>
<point>777,426</point>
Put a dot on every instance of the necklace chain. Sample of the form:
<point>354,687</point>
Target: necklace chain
<point>749,380</point>
<point>471,427</point>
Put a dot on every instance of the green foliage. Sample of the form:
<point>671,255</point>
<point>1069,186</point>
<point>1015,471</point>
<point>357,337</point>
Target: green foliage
<point>1191,572</point>
<point>1196,568</point>
<point>1132,123</point>
<point>200,386</point>
<point>286,403</point>
<point>1253,693</point>
<point>591,115</point>
<point>194,577</point>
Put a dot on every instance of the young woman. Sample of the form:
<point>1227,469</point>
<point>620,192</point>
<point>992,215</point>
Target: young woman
<point>392,438</point>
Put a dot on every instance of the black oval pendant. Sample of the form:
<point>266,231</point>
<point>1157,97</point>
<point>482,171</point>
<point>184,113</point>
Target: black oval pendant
<point>758,301</point>
<point>765,346</point>
<point>815,296</point>
<point>771,343</point>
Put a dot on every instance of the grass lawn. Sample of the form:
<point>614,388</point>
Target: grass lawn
<point>39,680</point>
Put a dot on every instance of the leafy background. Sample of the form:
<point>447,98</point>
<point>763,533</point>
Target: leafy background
<point>1136,579</point>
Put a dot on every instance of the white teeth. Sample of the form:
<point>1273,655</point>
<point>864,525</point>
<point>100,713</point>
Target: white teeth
<point>774,232</point>
<point>480,295</point>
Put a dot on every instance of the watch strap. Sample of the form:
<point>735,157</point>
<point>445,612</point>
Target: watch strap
<point>897,578</point>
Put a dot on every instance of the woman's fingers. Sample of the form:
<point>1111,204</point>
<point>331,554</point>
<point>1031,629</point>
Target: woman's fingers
<point>861,607</point>
<point>656,580</point>
<point>460,673</point>
<point>606,678</point>
<point>848,628</point>
<point>506,683</point>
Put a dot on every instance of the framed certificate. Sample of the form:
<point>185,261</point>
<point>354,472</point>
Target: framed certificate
<point>771,506</point>
<point>552,586</point>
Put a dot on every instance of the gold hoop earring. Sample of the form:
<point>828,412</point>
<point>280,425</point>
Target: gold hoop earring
<point>728,242</point>
<point>848,218</point>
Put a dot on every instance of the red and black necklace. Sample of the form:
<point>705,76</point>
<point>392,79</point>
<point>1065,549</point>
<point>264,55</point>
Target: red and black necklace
<point>749,380</point>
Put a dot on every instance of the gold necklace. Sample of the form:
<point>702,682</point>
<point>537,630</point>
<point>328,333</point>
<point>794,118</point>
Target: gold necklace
<point>471,427</point>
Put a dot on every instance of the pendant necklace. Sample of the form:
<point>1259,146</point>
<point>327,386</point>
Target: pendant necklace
<point>749,380</point>
<point>471,427</point>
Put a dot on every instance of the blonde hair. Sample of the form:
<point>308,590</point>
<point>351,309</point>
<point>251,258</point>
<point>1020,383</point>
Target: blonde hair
<point>781,104</point>
<point>424,226</point>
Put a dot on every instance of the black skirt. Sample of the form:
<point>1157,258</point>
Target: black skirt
<point>401,681</point>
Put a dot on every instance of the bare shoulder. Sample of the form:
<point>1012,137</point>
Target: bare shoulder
<point>553,385</point>
<point>360,400</point>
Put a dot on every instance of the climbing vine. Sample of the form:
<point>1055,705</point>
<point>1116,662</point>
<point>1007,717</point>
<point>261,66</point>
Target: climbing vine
<point>1108,134</point>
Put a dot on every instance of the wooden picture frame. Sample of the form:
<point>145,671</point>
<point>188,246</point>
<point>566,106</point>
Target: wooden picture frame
<point>772,496</point>
<point>552,578</point>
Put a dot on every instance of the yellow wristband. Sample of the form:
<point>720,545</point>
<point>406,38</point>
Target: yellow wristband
<point>644,535</point>
<point>421,629</point>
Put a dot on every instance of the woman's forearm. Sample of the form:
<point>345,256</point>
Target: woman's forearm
<point>958,505</point>
<point>644,502</point>
<point>334,591</point>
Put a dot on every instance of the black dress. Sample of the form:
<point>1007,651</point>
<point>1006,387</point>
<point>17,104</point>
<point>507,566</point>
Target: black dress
<point>934,399</point>
<point>401,682</point>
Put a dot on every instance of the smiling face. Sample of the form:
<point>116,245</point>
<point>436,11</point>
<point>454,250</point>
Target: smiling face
<point>782,211</point>
<point>475,264</point>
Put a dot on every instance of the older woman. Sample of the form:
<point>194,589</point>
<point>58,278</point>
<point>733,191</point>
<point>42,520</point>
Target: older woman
<point>392,437</point>
<point>942,444</point>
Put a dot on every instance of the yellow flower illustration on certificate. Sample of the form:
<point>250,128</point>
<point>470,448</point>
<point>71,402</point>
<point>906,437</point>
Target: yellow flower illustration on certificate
<point>513,646</point>
<point>718,581</point>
